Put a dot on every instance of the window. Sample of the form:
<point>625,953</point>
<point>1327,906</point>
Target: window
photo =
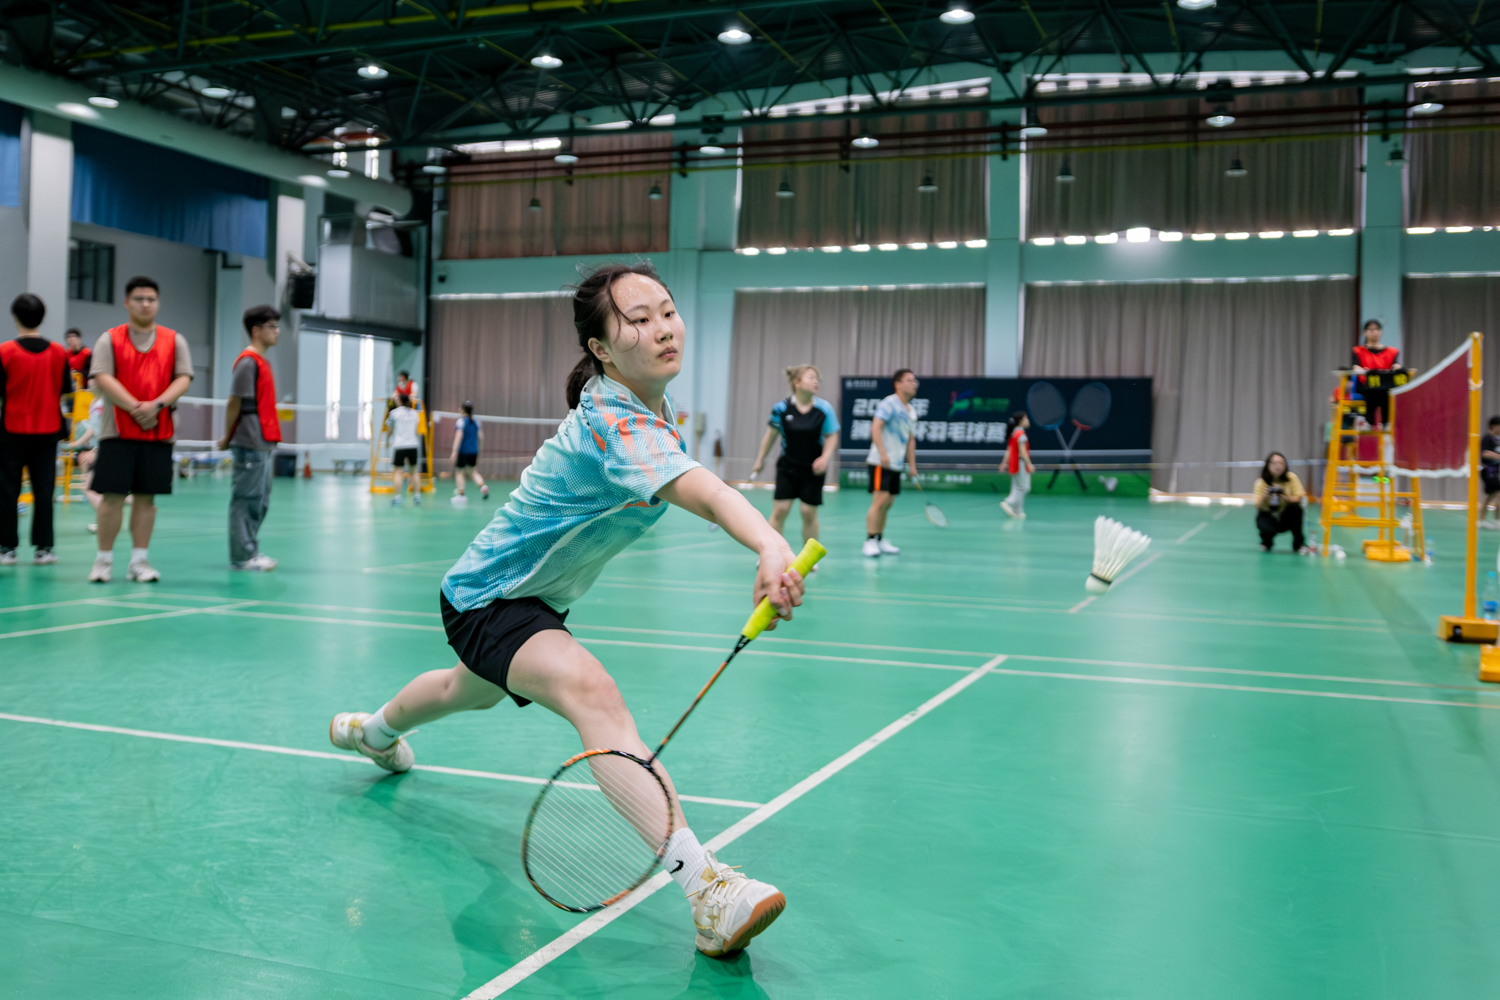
<point>335,385</point>
<point>366,387</point>
<point>91,271</point>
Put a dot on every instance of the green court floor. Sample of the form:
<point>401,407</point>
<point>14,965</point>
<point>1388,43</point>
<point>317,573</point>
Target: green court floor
<point>1234,775</point>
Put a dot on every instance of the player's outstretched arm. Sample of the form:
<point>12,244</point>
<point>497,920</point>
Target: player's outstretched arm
<point>706,495</point>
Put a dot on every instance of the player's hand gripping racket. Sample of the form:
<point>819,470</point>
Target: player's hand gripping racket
<point>600,826</point>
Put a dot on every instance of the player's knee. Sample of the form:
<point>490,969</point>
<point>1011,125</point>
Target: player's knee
<point>596,691</point>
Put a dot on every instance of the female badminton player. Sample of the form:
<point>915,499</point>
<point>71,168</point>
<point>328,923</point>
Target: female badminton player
<point>1018,464</point>
<point>592,489</point>
<point>809,433</point>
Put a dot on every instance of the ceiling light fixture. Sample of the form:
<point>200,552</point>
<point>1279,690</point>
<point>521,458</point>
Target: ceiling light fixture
<point>778,251</point>
<point>1065,175</point>
<point>1170,237</point>
<point>338,172</point>
<point>1107,238</point>
<point>976,244</point>
<point>1221,118</point>
<point>77,110</point>
<point>865,142</point>
<point>711,150</point>
<point>566,159</point>
<point>1396,159</point>
<point>434,168</point>
<point>1044,241</point>
<point>1138,234</point>
<point>785,190</point>
<point>374,71</point>
<point>1033,132</point>
<point>1075,241</point>
<point>1236,169</point>
<point>1427,108</point>
<point>928,185</point>
<point>751,251</point>
<point>103,101</point>
<point>655,193</point>
<point>948,245</point>
<point>546,61</point>
<point>536,204</point>
<point>216,92</point>
<point>861,248</point>
<point>734,36</point>
<point>956,15</point>
<point>889,246</point>
<point>1195,4</point>
<point>916,246</point>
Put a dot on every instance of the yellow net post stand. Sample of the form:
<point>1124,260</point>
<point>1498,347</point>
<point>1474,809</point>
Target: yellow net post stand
<point>71,477</point>
<point>382,472</point>
<point>1355,451</point>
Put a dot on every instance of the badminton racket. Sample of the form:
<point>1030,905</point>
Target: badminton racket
<point>600,825</point>
<point>933,511</point>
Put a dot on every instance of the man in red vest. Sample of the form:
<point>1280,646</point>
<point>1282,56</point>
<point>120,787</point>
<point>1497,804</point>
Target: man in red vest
<point>251,433</point>
<point>142,369</point>
<point>78,357</point>
<point>34,377</point>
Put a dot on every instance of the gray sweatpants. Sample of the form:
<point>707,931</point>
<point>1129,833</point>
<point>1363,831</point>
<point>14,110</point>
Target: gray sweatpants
<point>1020,485</point>
<point>249,501</point>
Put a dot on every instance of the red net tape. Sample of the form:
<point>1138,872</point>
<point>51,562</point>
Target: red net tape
<point>1431,419</point>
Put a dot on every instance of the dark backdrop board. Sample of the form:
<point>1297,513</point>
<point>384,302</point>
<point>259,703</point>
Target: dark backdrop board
<point>958,417</point>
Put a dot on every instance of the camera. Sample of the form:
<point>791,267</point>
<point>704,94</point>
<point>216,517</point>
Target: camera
<point>1274,500</point>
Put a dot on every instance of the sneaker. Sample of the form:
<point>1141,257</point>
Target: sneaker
<point>8,557</point>
<point>44,557</point>
<point>484,492</point>
<point>730,908</point>
<point>395,501</point>
<point>1005,506</point>
<point>417,500</point>
<point>140,571</point>
<point>258,563</point>
<point>459,500</point>
<point>93,529</point>
<point>101,571</point>
<point>346,732</point>
<point>886,548</point>
<point>872,548</point>
<point>1489,525</point>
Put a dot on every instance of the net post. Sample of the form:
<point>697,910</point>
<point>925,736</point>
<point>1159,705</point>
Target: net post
<point>1471,557</point>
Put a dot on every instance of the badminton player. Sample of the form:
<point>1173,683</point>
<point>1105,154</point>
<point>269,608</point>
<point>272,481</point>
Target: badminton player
<point>809,433</point>
<point>592,489</point>
<point>1018,464</point>
<point>892,447</point>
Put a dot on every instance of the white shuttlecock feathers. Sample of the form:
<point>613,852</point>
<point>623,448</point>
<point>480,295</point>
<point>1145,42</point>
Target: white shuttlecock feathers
<point>1114,546</point>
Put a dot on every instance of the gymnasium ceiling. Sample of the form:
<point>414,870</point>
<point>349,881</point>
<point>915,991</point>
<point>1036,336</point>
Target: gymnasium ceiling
<point>287,71</point>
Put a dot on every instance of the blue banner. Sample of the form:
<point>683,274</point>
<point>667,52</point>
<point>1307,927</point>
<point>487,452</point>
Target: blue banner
<point>1072,419</point>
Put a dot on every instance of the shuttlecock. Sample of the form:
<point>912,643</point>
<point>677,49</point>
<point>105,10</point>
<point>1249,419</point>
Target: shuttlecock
<point>1110,482</point>
<point>1114,546</point>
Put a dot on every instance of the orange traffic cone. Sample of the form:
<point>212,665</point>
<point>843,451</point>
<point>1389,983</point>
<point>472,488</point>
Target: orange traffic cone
<point>307,465</point>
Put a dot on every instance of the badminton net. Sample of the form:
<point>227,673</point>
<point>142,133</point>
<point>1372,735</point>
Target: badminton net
<point>1430,418</point>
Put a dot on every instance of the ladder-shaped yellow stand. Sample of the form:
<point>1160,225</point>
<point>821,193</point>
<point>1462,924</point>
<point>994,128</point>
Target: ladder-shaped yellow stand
<point>382,472</point>
<point>71,476</point>
<point>1346,498</point>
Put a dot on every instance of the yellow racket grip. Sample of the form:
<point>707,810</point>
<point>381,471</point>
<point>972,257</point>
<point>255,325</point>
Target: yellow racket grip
<point>765,610</point>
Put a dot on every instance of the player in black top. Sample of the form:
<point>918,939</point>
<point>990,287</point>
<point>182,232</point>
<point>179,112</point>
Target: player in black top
<point>809,432</point>
<point>1489,474</point>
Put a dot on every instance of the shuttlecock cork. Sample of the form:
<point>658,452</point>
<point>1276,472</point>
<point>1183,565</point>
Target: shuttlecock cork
<point>1114,546</point>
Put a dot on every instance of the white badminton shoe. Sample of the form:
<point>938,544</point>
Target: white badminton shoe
<point>43,557</point>
<point>101,571</point>
<point>871,548</point>
<point>886,548</point>
<point>459,500</point>
<point>346,732</point>
<point>140,571</point>
<point>258,563</point>
<point>730,909</point>
<point>8,557</point>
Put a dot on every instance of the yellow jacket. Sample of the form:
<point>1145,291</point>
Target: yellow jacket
<point>1294,492</point>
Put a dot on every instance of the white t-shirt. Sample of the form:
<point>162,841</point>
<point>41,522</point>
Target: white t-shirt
<point>403,421</point>
<point>900,420</point>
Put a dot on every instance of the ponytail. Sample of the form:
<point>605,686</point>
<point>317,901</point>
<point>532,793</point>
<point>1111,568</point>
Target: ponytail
<point>593,304</point>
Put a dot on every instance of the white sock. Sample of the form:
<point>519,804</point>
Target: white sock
<point>379,735</point>
<point>685,859</point>
<point>105,556</point>
<point>137,555</point>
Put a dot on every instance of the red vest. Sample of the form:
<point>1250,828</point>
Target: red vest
<point>33,385</point>
<point>80,362</point>
<point>145,376</point>
<point>1378,360</point>
<point>265,396</point>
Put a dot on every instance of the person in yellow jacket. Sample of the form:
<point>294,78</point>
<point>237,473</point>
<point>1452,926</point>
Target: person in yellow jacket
<point>1279,500</point>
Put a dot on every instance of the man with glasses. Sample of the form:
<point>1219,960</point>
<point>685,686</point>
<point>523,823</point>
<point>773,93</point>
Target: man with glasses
<point>893,447</point>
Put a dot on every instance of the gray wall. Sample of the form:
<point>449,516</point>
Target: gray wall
<point>12,258</point>
<point>187,276</point>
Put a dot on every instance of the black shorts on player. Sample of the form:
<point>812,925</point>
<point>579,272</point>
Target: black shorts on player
<point>799,482</point>
<point>487,638</point>
<point>883,480</point>
<point>466,461</point>
<point>403,457</point>
<point>129,466</point>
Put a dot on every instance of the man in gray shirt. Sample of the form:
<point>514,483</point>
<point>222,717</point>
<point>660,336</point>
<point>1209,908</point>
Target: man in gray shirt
<point>251,433</point>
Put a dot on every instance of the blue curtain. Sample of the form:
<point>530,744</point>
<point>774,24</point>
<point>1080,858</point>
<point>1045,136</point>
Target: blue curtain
<point>10,155</point>
<point>141,188</point>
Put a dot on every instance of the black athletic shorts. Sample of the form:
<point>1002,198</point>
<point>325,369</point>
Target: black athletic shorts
<point>128,466</point>
<point>404,456</point>
<point>466,461</point>
<point>486,639</point>
<point>1490,476</point>
<point>799,482</point>
<point>883,480</point>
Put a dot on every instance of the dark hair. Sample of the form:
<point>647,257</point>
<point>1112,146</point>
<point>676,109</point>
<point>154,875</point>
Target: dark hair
<point>901,373</point>
<point>1373,322</point>
<point>141,281</point>
<point>74,332</point>
<point>593,304</point>
<point>468,408</point>
<point>260,316</point>
<point>403,400</point>
<point>1265,470</point>
<point>29,310</point>
<point>1013,423</point>
<point>1494,420</point>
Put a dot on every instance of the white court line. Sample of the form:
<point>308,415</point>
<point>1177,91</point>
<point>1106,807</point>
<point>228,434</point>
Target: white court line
<point>405,566</point>
<point>669,548</point>
<point>598,921</point>
<point>346,758</point>
<point>1140,566</point>
<point>769,652</point>
<point>106,621</point>
<point>53,604</point>
<point>1083,604</point>
<point>1191,532</point>
<point>1222,514</point>
<point>319,620</point>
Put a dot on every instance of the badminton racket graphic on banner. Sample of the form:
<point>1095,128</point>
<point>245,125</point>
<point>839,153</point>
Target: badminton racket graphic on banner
<point>933,511</point>
<point>600,825</point>
<point>1090,410</point>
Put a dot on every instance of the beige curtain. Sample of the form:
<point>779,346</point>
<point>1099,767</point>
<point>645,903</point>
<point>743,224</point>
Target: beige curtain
<point>1454,177</point>
<point>1304,184</point>
<point>585,212</point>
<point>1238,369</point>
<point>510,357</point>
<point>934,330</point>
<point>874,200</point>
<point>1438,314</point>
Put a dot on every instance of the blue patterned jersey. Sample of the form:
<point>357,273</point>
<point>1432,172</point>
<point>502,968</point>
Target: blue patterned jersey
<point>590,492</point>
<point>900,420</point>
